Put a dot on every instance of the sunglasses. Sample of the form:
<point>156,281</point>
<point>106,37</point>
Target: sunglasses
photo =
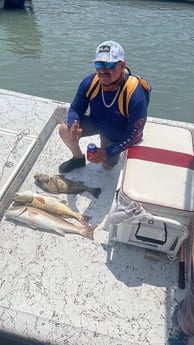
<point>105,64</point>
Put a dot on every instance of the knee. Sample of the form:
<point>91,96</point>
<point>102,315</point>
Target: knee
<point>63,129</point>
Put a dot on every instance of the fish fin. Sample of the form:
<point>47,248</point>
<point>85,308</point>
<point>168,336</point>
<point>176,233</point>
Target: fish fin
<point>95,192</point>
<point>31,225</point>
<point>60,232</point>
<point>55,182</point>
<point>40,199</point>
<point>23,210</point>
<point>63,216</point>
<point>42,193</point>
<point>84,220</point>
<point>32,211</point>
<point>62,176</point>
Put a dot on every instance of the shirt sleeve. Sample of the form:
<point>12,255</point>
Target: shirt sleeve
<point>80,102</point>
<point>136,121</point>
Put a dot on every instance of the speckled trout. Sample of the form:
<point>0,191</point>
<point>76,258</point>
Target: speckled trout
<point>49,204</point>
<point>38,219</point>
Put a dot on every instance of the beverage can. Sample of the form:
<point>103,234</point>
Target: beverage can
<point>91,148</point>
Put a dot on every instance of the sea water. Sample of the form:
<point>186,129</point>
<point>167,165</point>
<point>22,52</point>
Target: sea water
<point>47,48</point>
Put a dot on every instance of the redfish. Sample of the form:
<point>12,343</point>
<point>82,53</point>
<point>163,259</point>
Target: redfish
<point>38,219</point>
<point>49,204</point>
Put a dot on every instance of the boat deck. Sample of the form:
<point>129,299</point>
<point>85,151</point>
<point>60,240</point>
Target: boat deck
<point>72,290</point>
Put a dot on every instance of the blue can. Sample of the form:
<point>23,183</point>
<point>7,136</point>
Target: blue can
<point>91,148</point>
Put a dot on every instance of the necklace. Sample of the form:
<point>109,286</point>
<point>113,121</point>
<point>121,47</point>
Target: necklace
<point>114,99</point>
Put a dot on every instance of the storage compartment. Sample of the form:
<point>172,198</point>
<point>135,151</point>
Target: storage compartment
<point>160,234</point>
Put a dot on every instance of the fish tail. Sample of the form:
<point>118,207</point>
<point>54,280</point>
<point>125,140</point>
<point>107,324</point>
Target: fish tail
<point>88,231</point>
<point>83,219</point>
<point>95,192</point>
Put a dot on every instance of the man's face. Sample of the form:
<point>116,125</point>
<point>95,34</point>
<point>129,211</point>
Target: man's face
<point>108,76</point>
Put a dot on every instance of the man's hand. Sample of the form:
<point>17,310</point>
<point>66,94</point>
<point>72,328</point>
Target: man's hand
<point>98,156</point>
<point>76,131</point>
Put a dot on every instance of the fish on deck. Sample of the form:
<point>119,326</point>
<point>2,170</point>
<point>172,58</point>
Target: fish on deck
<point>48,204</point>
<point>38,219</point>
<point>59,184</point>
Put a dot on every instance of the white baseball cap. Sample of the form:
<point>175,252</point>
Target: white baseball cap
<point>109,51</point>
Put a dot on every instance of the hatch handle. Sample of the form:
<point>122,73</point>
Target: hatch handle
<point>151,240</point>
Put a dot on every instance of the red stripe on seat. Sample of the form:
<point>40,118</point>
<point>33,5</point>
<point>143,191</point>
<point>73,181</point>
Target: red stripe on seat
<point>162,156</point>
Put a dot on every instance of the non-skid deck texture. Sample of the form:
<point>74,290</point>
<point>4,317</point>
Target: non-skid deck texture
<point>84,284</point>
<point>71,290</point>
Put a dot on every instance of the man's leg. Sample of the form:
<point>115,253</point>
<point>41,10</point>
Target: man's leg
<point>78,159</point>
<point>110,161</point>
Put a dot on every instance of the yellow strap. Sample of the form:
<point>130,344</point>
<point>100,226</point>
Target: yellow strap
<point>94,88</point>
<point>126,94</point>
<point>144,83</point>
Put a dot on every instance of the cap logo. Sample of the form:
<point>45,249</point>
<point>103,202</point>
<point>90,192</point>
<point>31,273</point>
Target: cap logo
<point>104,49</point>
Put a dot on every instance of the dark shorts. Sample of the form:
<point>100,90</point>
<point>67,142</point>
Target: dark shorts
<point>89,129</point>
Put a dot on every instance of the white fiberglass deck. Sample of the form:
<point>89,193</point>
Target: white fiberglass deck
<point>74,290</point>
<point>26,122</point>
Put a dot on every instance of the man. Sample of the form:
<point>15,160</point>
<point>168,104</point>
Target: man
<point>118,105</point>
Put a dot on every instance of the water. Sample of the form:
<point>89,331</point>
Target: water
<point>46,50</point>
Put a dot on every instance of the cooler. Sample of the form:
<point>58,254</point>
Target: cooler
<point>159,174</point>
